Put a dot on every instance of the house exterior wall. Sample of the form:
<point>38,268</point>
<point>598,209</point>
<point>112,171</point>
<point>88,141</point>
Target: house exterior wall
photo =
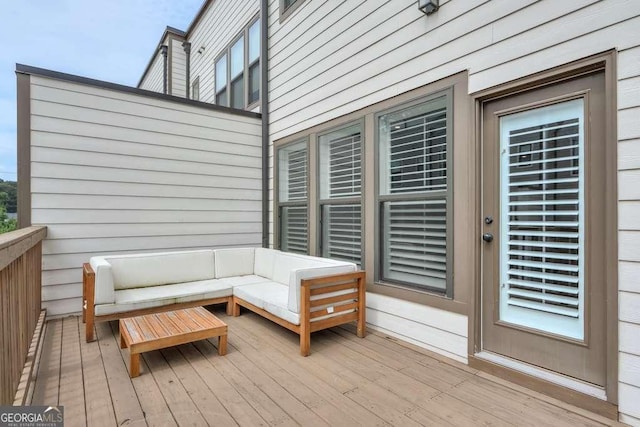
<point>629,235</point>
<point>220,24</point>
<point>329,59</point>
<point>116,172</point>
<point>178,68</point>
<point>153,80</point>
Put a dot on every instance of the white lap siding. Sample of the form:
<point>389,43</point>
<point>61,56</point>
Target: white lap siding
<point>115,172</point>
<point>629,234</point>
<point>328,59</point>
<point>154,80</point>
<point>178,68</point>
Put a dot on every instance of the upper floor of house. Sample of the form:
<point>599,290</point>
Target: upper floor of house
<point>216,60</point>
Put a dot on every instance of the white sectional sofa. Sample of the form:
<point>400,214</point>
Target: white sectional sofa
<point>301,293</point>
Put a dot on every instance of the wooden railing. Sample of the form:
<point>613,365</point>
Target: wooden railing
<point>20,291</point>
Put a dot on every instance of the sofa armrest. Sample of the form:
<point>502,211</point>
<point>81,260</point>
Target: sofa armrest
<point>297,276</point>
<point>331,301</point>
<point>104,287</point>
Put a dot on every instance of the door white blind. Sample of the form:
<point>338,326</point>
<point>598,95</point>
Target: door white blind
<point>345,177</point>
<point>542,204</point>
<point>418,153</point>
<point>293,235</point>
<point>342,230</point>
<point>416,246</point>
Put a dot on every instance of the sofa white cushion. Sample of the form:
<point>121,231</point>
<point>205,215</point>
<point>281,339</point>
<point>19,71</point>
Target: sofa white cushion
<point>285,263</point>
<point>140,298</point>
<point>270,296</point>
<point>244,280</point>
<point>264,260</point>
<point>234,262</point>
<point>104,291</point>
<point>309,273</point>
<point>277,305</point>
<point>142,270</point>
<point>258,293</point>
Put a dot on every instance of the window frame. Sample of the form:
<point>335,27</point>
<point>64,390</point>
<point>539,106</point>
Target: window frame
<point>218,90</point>
<point>249,64</point>
<point>466,245</point>
<point>344,201</point>
<point>285,11</point>
<point>277,217</point>
<point>380,199</point>
<point>195,89</point>
<point>244,75</point>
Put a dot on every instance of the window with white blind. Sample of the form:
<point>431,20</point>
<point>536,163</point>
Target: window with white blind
<point>414,201</point>
<point>293,197</point>
<point>340,194</point>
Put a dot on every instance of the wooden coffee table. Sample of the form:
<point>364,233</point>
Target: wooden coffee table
<point>162,330</point>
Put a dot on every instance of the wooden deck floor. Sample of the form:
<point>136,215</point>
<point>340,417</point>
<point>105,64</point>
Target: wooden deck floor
<point>263,381</point>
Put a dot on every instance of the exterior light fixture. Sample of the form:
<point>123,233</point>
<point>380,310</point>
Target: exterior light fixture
<point>428,6</point>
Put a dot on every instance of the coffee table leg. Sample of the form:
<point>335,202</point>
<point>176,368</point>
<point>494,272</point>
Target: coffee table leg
<point>134,365</point>
<point>222,345</point>
<point>123,344</point>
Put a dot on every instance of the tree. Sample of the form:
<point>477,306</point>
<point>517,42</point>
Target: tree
<point>6,224</point>
<point>11,189</point>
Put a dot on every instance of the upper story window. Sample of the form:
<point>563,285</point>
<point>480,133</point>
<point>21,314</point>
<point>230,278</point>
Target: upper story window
<point>287,7</point>
<point>195,89</point>
<point>221,81</point>
<point>238,70</point>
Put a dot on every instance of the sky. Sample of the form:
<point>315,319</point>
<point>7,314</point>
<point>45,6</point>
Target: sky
<point>110,40</point>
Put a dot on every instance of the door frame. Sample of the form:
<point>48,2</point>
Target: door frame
<point>606,62</point>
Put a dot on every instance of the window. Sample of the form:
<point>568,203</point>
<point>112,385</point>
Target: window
<point>254,63</point>
<point>414,177</point>
<point>381,185</point>
<point>340,193</point>
<point>195,89</point>
<point>287,7</point>
<point>292,197</point>
<point>238,70</point>
<point>221,81</point>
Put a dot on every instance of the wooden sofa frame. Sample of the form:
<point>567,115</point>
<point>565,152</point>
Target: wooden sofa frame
<point>313,294</point>
<point>89,317</point>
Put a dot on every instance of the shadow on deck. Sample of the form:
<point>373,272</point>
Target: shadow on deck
<point>264,381</point>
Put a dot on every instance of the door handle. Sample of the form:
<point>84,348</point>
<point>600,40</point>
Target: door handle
<point>487,237</point>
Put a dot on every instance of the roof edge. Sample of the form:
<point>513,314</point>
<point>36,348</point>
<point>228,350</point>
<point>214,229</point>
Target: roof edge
<point>29,70</point>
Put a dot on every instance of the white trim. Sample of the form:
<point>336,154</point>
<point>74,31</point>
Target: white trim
<point>543,374</point>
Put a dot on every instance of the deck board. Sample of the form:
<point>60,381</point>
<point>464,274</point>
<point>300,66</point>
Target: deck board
<point>262,380</point>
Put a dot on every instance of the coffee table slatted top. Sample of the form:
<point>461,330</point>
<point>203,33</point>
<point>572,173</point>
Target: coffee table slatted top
<point>162,330</point>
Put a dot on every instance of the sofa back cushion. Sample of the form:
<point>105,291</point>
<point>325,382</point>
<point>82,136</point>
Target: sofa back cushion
<point>234,262</point>
<point>284,263</point>
<point>296,277</point>
<point>142,270</point>
<point>264,260</point>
